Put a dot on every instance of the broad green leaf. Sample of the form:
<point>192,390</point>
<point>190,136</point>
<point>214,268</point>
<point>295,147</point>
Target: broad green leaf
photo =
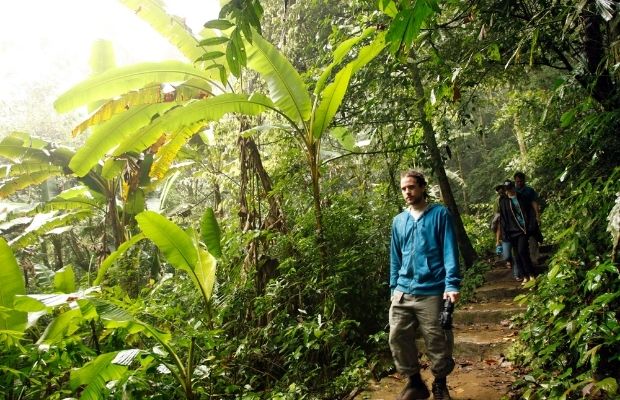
<point>344,137</point>
<point>118,81</point>
<point>25,140</point>
<point>95,374</point>
<point>213,41</point>
<point>64,279</point>
<point>28,304</point>
<point>210,109</point>
<point>220,24</point>
<point>148,95</point>
<point>65,324</point>
<point>406,25</point>
<point>212,55</point>
<point>112,167</point>
<point>19,153</point>
<point>235,55</point>
<point>43,223</point>
<point>21,182</point>
<point>176,246</point>
<point>169,26</point>
<point>388,7</point>
<point>369,52</point>
<point>331,98</point>
<point>111,133</point>
<point>338,55</point>
<point>27,168</point>
<point>134,203</point>
<point>109,260</point>
<point>210,232</point>
<point>286,88</point>
<point>12,284</point>
<point>205,273</point>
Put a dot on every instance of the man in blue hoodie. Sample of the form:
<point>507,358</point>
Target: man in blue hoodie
<point>424,270</point>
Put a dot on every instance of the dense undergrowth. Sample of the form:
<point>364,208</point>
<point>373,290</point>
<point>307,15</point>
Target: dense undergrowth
<point>570,334</point>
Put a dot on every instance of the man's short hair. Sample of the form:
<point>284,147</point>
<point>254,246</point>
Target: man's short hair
<point>519,175</point>
<point>418,176</point>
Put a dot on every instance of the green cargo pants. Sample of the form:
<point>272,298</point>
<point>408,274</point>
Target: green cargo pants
<point>407,313</point>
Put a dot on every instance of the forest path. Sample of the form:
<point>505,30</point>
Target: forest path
<point>482,334</point>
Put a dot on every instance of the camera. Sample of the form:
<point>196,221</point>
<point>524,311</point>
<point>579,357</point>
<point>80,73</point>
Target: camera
<point>445,317</point>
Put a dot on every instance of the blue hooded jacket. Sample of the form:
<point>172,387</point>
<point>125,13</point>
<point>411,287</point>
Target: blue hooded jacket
<point>424,258</point>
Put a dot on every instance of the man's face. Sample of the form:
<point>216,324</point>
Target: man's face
<point>519,183</point>
<point>412,192</point>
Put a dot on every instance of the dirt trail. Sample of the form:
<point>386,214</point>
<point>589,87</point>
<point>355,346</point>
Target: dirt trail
<point>482,334</point>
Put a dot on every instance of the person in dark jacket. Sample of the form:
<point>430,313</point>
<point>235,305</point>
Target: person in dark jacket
<point>518,222</point>
<point>424,273</point>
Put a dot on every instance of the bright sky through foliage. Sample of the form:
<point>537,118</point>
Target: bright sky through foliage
<point>46,44</point>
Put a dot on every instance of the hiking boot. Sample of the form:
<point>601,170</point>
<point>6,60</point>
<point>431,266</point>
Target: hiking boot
<point>415,390</point>
<point>440,390</point>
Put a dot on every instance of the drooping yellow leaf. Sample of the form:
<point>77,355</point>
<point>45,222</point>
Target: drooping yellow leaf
<point>167,153</point>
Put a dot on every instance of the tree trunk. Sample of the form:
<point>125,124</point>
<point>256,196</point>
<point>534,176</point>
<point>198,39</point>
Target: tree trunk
<point>465,197</point>
<point>520,137</point>
<point>313,161</point>
<point>467,251</point>
<point>252,169</point>
<point>599,81</point>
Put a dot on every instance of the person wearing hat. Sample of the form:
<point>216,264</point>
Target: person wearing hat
<point>518,222</point>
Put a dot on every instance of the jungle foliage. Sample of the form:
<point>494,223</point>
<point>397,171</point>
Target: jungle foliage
<point>222,229</point>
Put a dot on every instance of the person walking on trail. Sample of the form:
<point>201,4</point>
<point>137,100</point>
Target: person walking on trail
<point>531,196</point>
<point>518,223</point>
<point>424,270</point>
<point>503,245</point>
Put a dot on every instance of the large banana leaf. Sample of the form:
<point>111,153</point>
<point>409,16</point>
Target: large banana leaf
<point>64,279</point>
<point>118,81</point>
<point>205,272</point>
<point>210,232</point>
<point>168,152</point>
<point>286,88</point>
<point>210,109</point>
<point>176,246</point>
<point>26,168</point>
<point>25,140</point>
<point>95,374</point>
<point>151,94</point>
<point>44,223</point>
<point>111,133</point>
<point>331,98</point>
<point>183,251</point>
<point>171,27</point>
<point>65,324</point>
<point>368,53</point>
<point>338,55</point>
<point>21,182</point>
<point>12,285</point>
<point>20,153</point>
<point>148,95</point>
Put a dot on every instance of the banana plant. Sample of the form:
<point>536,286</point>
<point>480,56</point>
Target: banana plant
<point>169,121</point>
<point>187,251</point>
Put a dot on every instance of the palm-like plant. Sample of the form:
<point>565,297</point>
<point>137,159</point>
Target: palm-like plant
<point>135,117</point>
